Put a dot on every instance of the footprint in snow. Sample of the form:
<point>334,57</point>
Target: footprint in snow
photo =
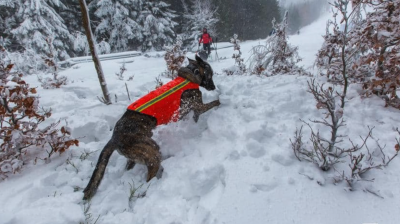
<point>284,161</point>
<point>205,180</point>
<point>255,149</point>
<point>264,187</point>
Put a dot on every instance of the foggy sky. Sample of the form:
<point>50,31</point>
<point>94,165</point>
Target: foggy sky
<point>288,2</point>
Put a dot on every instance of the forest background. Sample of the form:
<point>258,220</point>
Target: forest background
<point>36,26</point>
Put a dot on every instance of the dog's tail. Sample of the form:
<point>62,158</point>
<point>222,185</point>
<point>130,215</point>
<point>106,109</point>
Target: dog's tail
<point>98,172</point>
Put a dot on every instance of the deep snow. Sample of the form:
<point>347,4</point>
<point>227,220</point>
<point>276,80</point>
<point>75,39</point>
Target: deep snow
<point>234,166</point>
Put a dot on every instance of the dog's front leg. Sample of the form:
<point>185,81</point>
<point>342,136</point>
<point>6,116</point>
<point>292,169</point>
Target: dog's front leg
<point>202,108</point>
<point>192,100</point>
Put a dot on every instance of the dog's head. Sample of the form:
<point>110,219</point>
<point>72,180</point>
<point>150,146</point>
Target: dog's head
<point>198,71</point>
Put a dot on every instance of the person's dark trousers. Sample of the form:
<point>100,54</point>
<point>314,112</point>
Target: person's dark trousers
<point>207,48</point>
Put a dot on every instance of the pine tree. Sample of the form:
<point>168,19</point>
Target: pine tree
<point>37,20</point>
<point>178,6</point>
<point>8,9</point>
<point>157,23</point>
<point>71,14</point>
<point>117,23</point>
<point>201,15</point>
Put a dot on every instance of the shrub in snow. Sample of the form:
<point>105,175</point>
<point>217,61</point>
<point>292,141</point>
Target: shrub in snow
<point>337,55</point>
<point>363,161</point>
<point>327,150</point>
<point>326,100</point>
<point>54,82</point>
<point>174,57</point>
<point>358,159</point>
<point>122,69</point>
<point>20,119</point>
<point>159,82</point>
<point>379,36</point>
<point>52,68</point>
<point>277,56</point>
<point>324,151</point>
<point>27,61</point>
<point>370,48</point>
<point>233,70</point>
<point>239,68</point>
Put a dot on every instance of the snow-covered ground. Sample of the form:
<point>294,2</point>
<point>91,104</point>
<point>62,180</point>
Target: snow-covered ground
<point>235,166</point>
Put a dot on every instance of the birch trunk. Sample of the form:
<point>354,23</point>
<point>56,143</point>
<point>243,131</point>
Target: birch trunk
<point>96,61</point>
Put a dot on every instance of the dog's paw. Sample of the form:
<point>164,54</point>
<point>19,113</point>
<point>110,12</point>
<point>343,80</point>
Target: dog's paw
<point>196,117</point>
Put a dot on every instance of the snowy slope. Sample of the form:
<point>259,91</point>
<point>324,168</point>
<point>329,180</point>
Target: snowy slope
<point>234,166</point>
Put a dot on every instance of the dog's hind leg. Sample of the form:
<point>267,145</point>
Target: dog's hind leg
<point>98,172</point>
<point>146,151</point>
<point>130,164</point>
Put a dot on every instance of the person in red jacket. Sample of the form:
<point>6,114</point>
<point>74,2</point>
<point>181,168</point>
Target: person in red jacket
<point>206,40</point>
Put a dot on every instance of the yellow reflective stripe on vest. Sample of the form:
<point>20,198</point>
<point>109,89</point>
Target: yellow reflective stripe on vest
<point>162,96</point>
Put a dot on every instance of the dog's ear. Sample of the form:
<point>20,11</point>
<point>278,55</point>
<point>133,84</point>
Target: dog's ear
<point>188,74</point>
<point>199,60</point>
<point>191,60</point>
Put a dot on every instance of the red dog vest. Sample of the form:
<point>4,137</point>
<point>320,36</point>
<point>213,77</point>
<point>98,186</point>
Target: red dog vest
<point>163,103</point>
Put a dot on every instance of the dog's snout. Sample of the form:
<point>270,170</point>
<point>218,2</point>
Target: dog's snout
<point>211,86</point>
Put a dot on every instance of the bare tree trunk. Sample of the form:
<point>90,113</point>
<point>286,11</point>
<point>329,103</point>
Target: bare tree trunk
<point>343,8</point>
<point>89,35</point>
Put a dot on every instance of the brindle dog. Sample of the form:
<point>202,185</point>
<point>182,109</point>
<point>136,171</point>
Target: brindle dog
<point>133,131</point>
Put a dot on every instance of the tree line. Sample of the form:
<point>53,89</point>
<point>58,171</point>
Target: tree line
<point>121,25</point>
